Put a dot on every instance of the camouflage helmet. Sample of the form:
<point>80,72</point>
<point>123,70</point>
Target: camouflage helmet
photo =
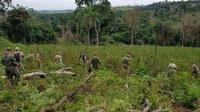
<point>17,49</point>
<point>9,49</point>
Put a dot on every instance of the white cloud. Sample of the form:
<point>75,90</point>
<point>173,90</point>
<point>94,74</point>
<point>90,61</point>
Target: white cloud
<point>70,4</point>
<point>46,4</point>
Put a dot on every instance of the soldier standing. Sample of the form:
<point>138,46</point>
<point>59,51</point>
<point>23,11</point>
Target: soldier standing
<point>58,58</point>
<point>11,68</point>
<point>195,70</point>
<point>95,62</point>
<point>38,58</point>
<point>85,60</point>
<point>19,56</point>
<point>125,63</point>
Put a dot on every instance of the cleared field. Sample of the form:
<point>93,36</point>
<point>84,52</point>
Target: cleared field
<point>106,90</point>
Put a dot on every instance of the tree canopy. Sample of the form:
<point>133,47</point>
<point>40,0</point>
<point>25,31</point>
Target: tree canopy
<point>96,22</point>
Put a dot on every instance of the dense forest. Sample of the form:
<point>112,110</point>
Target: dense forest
<point>163,23</point>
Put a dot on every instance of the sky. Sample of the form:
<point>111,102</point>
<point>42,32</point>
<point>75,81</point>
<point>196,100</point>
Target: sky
<point>70,4</point>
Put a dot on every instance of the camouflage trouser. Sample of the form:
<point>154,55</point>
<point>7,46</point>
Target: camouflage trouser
<point>38,63</point>
<point>95,67</point>
<point>125,67</point>
<point>12,74</point>
<point>21,66</point>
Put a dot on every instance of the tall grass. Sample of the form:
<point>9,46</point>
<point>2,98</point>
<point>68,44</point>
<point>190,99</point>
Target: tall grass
<point>106,89</point>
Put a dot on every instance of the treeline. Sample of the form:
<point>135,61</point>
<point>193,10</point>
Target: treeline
<point>20,27</point>
<point>163,23</point>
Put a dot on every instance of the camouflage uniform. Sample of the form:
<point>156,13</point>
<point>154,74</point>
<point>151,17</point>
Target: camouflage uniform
<point>11,68</point>
<point>38,58</point>
<point>21,58</point>
<point>171,69</point>
<point>85,60</point>
<point>126,60</point>
<point>95,62</point>
<point>195,70</point>
<point>58,59</point>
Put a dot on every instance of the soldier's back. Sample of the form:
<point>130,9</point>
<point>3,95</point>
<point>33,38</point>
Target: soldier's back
<point>195,68</point>
<point>95,60</point>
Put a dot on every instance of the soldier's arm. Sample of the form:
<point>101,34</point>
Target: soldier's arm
<point>2,59</point>
<point>22,54</point>
<point>14,62</point>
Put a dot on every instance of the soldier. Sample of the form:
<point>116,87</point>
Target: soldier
<point>30,58</point>
<point>84,58</point>
<point>58,58</point>
<point>38,58</point>
<point>95,62</point>
<point>125,62</point>
<point>19,56</point>
<point>195,70</point>
<point>11,69</point>
<point>171,69</point>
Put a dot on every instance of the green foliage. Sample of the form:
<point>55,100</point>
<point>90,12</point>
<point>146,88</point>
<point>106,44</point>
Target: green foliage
<point>19,27</point>
<point>4,42</point>
<point>121,37</point>
<point>99,3</point>
<point>171,19</point>
<point>107,40</point>
<point>107,89</point>
<point>74,42</point>
<point>7,96</point>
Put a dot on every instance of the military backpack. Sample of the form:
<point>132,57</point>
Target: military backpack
<point>6,60</point>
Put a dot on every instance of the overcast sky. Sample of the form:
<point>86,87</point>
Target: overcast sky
<point>69,4</point>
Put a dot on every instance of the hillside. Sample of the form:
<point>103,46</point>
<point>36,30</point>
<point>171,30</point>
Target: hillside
<point>164,24</point>
<point>55,11</point>
<point>182,6</point>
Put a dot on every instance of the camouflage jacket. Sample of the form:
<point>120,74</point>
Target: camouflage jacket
<point>9,60</point>
<point>126,60</point>
<point>195,68</point>
<point>95,61</point>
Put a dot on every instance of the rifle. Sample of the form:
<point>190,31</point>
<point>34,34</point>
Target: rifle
<point>130,54</point>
